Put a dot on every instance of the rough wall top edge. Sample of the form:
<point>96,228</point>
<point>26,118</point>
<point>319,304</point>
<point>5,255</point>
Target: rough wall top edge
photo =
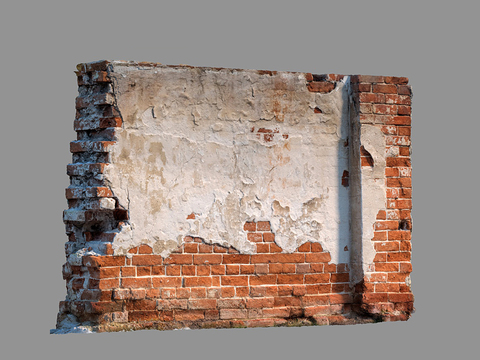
<point>102,65</point>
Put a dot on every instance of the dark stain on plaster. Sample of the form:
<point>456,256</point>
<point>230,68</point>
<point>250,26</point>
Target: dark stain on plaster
<point>345,177</point>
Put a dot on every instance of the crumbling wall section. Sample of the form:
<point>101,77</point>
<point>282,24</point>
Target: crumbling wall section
<point>207,197</point>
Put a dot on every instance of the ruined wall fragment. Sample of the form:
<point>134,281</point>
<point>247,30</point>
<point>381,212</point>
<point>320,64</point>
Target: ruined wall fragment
<point>224,197</point>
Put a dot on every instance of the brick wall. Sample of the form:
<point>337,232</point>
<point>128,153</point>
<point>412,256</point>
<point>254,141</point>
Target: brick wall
<point>202,284</point>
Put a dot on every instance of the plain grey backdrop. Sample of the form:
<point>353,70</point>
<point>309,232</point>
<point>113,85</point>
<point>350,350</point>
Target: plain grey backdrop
<point>435,44</point>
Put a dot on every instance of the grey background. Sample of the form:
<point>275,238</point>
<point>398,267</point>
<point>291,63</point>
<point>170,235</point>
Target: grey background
<point>434,45</point>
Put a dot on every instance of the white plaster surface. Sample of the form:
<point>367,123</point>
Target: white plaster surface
<point>190,145</point>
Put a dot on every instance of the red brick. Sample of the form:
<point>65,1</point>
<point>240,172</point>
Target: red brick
<point>340,288</point>
<point>399,182</point>
<point>189,315</point>
<point>204,270</point>
<point>180,259</point>
<point>290,279</point>
<point>284,290</point>
<point>330,268</point>
<point>234,280</point>
<point>364,87</point>
<point>405,267</point>
<point>232,269</point>
<point>167,281</point>
<point>128,271</point>
<point>137,305</point>
<point>259,303</point>
<point>398,99</point>
<point>379,235</point>
<point>263,248</point>
<point>380,257</point>
<point>147,260</point>
<point>145,270</point>
<point>378,277</point>
<point>404,151</point>
<point>172,304</point>
<point>386,225</point>
<point>97,261</point>
<point>228,292</point>
<point>396,80</point>
<point>136,282</point>
<point>396,298</point>
<point>405,245</point>
<point>381,215</point>
<point>190,248</point>
<point>320,86</point>
<point>372,298</point>
<point>205,248</point>
<point>398,120</point>
<point>339,278</point>
<point>303,268</point>
<point>404,204</point>
<point>219,249</point>
<point>309,300</point>
<point>340,299</point>
<point>384,89</point>
<point>247,269</point>
<point>281,268</point>
<point>145,249</point>
<point>213,259</point>
<point>158,270</point>
<point>169,293</point>
<point>398,256</point>
<point>299,290</point>
<point>316,247</point>
<point>385,109</point>
<point>212,314</point>
<point>254,237</point>
<point>317,257</point>
<point>387,246</point>
<point>277,312</point>
<point>274,248</point>
<point>233,313</point>
<point>263,226</point>
<point>235,259</point>
<point>306,247</point>
<point>399,235</point>
<point>317,278</point>
<point>188,270</point>
<point>268,237</point>
<point>202,304</point>
<point>140,316</point>
<point>172,270</point>
<point>387,267</point>
<point>397,277</point>
<point>198,293</point>
<point>287,301</point>
<point>198,281</point>
<point>250,226</point>
<point>404,90</point>
<point>372,98</point>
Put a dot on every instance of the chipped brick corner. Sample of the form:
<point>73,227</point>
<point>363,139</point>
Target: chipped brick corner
<point>199,282</point>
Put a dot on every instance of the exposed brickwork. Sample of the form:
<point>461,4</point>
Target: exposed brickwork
<point>386,103</point>
<point>208,285</point>
<point>210,282</point>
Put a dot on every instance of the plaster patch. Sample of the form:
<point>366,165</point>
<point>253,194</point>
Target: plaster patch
<point>229,147</point>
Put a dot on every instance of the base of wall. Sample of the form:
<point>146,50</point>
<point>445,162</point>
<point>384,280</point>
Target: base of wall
<point>318,320</point>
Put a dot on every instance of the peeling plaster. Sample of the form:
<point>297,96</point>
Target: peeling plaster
<point>229,147</point>
<point>373,188</point>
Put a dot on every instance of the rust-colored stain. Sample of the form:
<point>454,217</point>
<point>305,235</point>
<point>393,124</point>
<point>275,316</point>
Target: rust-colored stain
<point>345,178</point>
<point>191,216</point>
